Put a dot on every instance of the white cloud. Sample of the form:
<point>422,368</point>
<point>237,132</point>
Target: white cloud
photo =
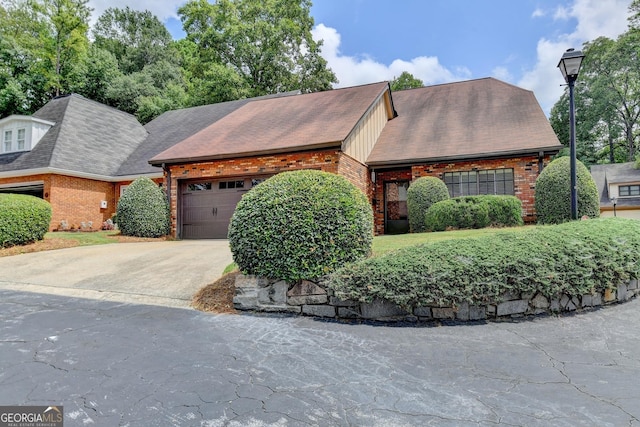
<point>502,73</point>
<point>538,13</point>
<point>164,9</point>
<point>353,71</point>
<point>594,18</point>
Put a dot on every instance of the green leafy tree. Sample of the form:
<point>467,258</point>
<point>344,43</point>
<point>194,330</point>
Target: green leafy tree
<point>96,74</point>
<point>266,42</point>
<point>137,39</point>
<point>406,80</point>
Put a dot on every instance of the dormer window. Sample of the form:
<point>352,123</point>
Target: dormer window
<point>8,137</point>
<point>629,190</point>
<point>21,133</point>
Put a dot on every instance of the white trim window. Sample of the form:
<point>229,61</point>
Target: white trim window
<point>7,141</point>
<point>14,140</point>
<point>21,139</point>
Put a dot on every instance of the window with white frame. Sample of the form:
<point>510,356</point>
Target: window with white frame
<point>7,141</point>
<point>14,140</point>
<point>20,140</point>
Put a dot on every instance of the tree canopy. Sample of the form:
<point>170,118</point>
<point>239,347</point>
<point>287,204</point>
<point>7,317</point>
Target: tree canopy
<point>233,49</point>
<point>406,80</point>
<point>607,97</point>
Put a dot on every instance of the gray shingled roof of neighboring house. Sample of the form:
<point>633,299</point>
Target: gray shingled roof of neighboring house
<point>172,127</point>
<point>616,173</point>
<point>463,120</point>
<point>88,137</point>
<point>301,122</point>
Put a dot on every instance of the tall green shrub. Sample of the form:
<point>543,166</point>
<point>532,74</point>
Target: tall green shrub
<point>23,219</point>
<point>423,192</point>
<point>553,192</point>
<point>143,210</point>
<point>300,225</point>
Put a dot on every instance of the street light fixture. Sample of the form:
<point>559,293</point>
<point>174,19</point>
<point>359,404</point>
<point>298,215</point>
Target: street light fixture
<point>570,68</point>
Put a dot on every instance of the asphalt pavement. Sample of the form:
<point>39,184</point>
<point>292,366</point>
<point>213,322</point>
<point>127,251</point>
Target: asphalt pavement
<point>106,332</point>
<point>123,364</point>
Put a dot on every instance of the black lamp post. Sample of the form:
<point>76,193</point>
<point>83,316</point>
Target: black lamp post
<point>570,68</point>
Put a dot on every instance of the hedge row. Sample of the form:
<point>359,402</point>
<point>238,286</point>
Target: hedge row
<point>474,212</point>
<point>575,258</point>
<point>23,219</point>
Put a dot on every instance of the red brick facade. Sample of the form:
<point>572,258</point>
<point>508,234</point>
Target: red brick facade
<point>525,171</point>
<point>332,161</point>
<point>74,200</point>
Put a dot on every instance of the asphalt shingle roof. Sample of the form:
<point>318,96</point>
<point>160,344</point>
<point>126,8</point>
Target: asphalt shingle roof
<point>87,137</point>
<point>293,123</point>
<point>174,126</point>
<point>616,173</point>
<point>470,119</point>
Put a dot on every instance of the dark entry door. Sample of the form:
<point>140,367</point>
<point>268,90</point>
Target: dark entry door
<point>396,218</point>
<point>207,207</point>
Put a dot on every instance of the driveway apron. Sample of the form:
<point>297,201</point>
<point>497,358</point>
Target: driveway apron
<point>164,273</point>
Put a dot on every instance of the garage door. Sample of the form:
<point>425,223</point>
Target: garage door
<point>30,188</point>
<point>207,206</point>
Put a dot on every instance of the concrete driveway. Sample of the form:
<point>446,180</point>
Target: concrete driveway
<point>164,273</point>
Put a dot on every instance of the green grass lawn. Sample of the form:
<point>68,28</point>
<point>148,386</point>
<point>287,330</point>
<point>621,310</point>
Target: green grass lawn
<point>387,243</point>
<point>85,239</point>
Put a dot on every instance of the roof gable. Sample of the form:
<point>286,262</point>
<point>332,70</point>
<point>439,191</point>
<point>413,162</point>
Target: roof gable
<point>315,120</point>
<point>471,119</point>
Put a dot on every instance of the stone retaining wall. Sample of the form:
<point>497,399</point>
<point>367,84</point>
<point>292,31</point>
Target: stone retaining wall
<point>309,298</point>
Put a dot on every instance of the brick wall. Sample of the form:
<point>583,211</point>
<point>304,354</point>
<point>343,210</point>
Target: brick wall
<point>73,200</point>
<point>77,200</point>
<point>525,170</point>
<point>325,160</point>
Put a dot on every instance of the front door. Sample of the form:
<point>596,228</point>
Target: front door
<point>396,218</point>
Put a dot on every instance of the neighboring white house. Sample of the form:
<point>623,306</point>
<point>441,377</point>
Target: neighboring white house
<point>619,188</point>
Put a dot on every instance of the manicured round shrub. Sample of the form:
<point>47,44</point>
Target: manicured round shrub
<point>422,193</point>
<point>553,192</point>
<point>300,225</point>
<point>143,210</point>
<point>23,219</point>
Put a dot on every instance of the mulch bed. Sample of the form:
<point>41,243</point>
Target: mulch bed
<point>218,296</point>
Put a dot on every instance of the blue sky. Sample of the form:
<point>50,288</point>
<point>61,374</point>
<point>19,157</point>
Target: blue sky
<point>440,41</point>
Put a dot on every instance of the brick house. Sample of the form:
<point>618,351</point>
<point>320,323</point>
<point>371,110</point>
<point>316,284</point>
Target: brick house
<point>619,189</point>
<point>481,137</point>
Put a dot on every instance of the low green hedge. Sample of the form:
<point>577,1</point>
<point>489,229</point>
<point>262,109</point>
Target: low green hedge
<point>23,219</point>
<point>474,212</point>
<point>574,258</point>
